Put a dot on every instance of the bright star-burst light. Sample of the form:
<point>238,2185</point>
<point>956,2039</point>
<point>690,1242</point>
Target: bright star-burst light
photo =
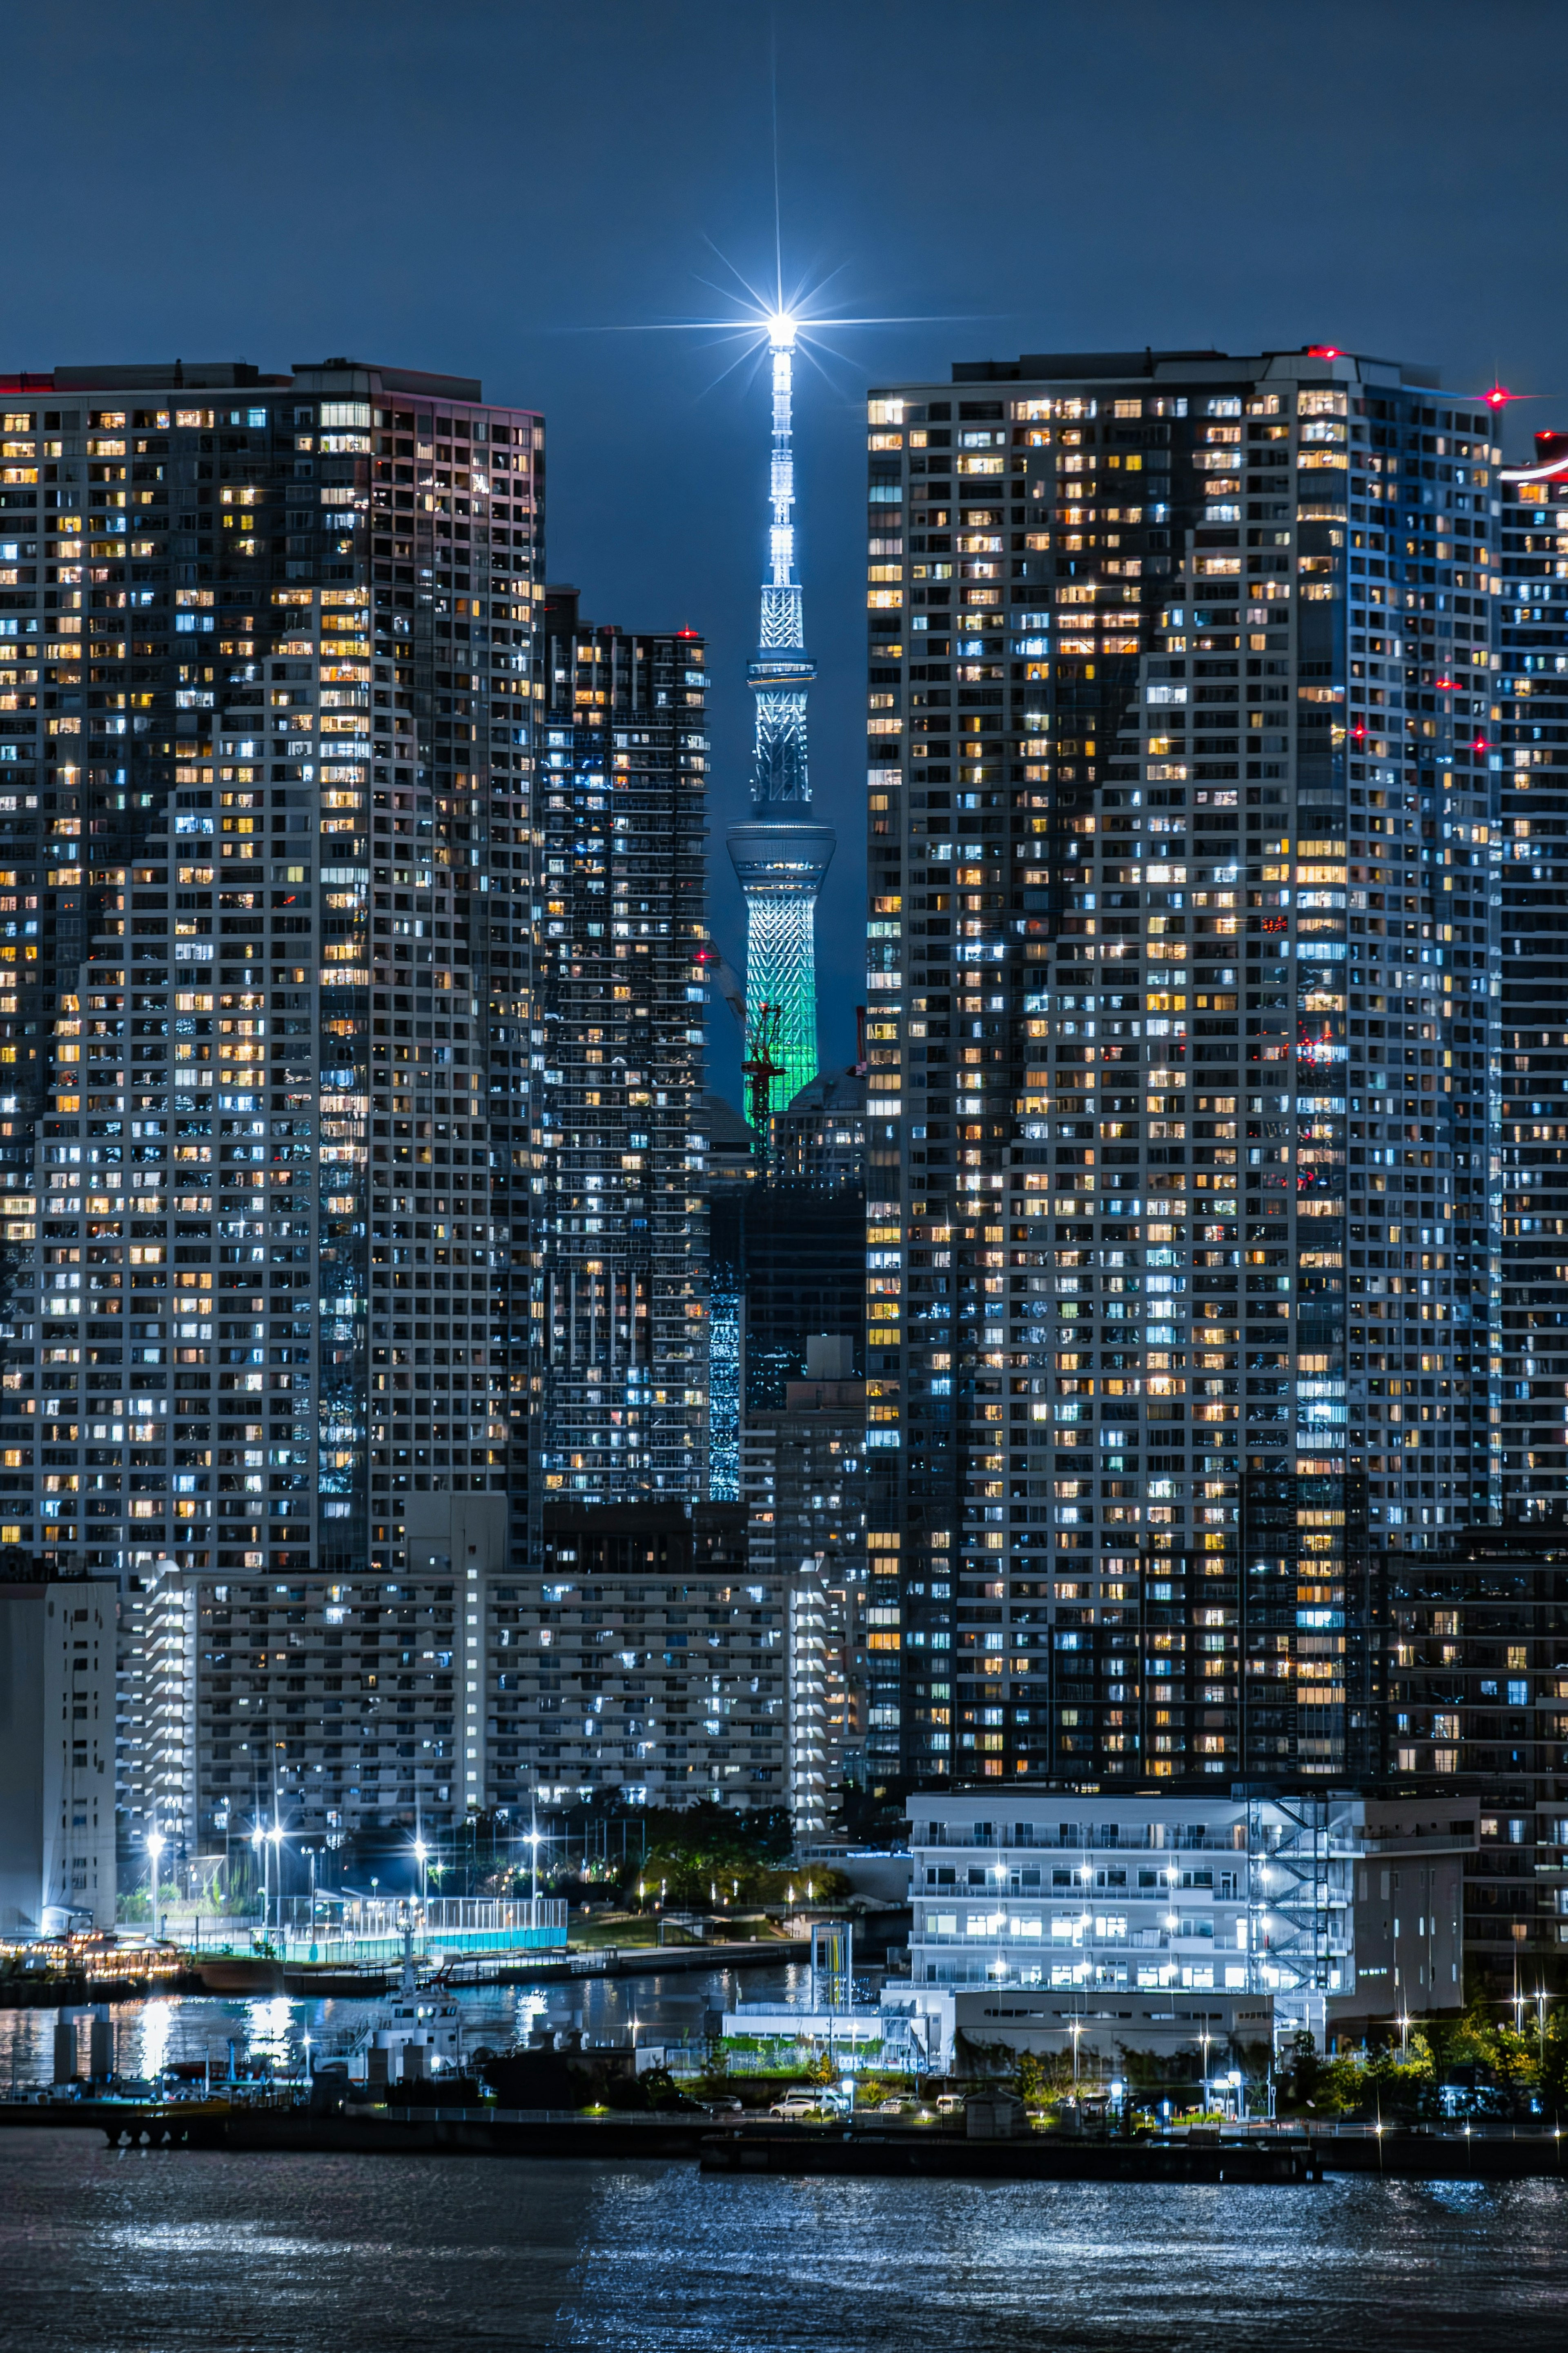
<point>803,322</point>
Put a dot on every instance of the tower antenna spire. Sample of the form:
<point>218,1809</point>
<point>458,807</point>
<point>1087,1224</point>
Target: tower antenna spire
<point>778,227</point>
<point>780,854</point>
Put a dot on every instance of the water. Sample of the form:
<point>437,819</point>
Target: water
<point>151,2035</point>
<point>153,2253</point>
<point>143,2251</point>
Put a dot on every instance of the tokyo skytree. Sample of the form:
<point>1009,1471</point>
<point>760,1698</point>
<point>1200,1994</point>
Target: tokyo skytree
<point>781,856</point>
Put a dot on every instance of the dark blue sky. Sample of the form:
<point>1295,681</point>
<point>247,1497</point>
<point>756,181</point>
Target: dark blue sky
<point>499,189</point>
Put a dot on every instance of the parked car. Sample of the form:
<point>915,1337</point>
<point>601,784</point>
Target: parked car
<point>952,2103</point>
<point>797,2105</point>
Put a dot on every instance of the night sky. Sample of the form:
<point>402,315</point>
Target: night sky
<point>511,191</point>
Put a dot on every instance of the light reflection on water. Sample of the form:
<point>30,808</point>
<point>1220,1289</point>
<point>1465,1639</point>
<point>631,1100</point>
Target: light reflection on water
<point>153,2034</point>
<point>368,2256</point>
<point>155,2022</point>
<point>129,2250</point>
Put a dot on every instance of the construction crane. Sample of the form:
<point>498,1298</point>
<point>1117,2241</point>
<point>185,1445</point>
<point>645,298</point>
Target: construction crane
<point>759,1069</point>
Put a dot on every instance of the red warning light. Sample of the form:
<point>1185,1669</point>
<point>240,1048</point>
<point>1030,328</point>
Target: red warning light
<point>1324,352</point>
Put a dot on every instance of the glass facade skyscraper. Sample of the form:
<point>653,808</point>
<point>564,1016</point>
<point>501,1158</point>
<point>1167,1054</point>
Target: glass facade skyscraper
<point>1182,1288</point>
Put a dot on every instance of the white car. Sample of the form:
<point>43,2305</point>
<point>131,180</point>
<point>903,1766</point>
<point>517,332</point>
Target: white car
<point>797,2105</point>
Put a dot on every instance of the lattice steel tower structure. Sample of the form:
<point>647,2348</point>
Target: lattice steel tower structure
<point>780,854</point>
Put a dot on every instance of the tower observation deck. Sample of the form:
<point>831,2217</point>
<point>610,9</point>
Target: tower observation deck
<point>781,855</point>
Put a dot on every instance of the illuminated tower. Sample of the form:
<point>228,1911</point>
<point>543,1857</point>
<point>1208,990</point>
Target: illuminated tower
<point>781,856</point>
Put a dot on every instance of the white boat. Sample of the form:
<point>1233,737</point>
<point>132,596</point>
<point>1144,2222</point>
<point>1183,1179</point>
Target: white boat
<point>412,2038</point>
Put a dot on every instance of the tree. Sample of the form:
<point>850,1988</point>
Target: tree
<point>1041,2080</point>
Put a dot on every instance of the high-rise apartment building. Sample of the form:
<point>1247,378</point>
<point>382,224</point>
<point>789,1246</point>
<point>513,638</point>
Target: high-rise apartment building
<point>1477,1643</point>
<point>1528,851</point>
<point>803,1479</point>
<point>648,1659</point>
<point>1181,1294</point>
<point>624,1238</point>
<point>268,722</point>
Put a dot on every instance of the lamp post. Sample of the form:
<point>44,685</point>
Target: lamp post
<point>1206,2037</point>
<point>275,1838</point>
<point>422,1857</point>
<point>155,1845</point>
<point>258,1847</point>
<point>532,1842</point>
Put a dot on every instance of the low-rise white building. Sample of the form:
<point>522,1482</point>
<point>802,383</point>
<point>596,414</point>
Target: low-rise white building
<point>1340,1908</point>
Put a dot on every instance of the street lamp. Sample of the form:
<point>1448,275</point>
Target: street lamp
<point>275,1836</point>
<point>258,1847</point>
<point>1086,1922</point>
<point>155,1845</point>
<point>422,1857</point>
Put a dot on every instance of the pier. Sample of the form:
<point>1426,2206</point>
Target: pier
<point>871,2146</point>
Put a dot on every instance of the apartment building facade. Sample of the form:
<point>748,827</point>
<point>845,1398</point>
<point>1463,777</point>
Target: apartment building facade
<point>1182,1278</point>
<point>647,1663</point>
<point>804,1482</point>
<point>624,1238</point>
<point>272,720</point>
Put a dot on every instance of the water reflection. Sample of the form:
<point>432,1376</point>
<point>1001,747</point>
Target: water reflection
<point>194,2029</point>
<point>152,2053</point>
<point>119,2249</point>
<point>271,2036</point>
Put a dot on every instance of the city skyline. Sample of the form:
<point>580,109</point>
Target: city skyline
<point>783,1309</point>
<point>654,533</point>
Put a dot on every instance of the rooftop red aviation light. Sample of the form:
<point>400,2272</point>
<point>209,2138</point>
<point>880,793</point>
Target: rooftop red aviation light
<point>1324,352</point>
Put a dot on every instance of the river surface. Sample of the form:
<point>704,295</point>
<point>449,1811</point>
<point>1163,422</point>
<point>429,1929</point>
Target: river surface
<point>155,2251</point>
